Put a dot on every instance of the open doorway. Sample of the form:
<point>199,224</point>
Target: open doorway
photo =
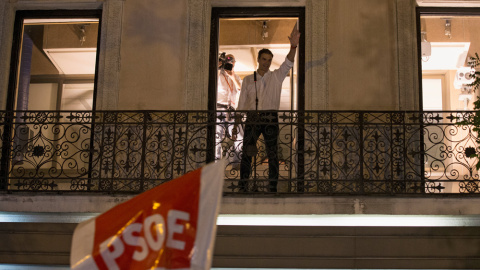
<point>245,37</point>
<point>243,32</point>
<point>448,40</point>
<point>239,35</point>
<point>52,88</point>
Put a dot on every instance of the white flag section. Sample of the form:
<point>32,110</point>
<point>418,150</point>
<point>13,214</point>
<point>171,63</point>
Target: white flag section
<point>171,226</point>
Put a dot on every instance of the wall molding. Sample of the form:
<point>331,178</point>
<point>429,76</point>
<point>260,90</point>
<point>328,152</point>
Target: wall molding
<point>316,53</point>
<point>448,3</point>
<point>196,58</point>
<point>407,57</point>
<point>110,58</point>
<point>259,3</point>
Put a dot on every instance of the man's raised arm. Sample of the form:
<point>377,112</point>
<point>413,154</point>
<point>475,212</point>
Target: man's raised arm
<point>294,40</point>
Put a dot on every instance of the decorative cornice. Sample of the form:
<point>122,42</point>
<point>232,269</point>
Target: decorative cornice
<point>64,4</point>
<point>448,3</point>
<point>257,3</point>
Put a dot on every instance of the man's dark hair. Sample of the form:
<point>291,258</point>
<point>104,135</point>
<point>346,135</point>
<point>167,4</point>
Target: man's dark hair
<point>262,51</point>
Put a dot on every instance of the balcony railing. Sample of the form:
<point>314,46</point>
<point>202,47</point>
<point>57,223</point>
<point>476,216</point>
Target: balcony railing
<point>320,152</point>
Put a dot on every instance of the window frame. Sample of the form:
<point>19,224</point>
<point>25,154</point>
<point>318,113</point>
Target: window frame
<point>435,11</point>
<point>255,12</point>
<point>20,16</point>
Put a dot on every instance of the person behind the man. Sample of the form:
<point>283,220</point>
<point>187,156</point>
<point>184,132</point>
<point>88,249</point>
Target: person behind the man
<point>228,86</point>
<point>261,92</point>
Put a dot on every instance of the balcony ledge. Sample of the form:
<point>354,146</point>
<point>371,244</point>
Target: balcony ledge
<point>255,205</point>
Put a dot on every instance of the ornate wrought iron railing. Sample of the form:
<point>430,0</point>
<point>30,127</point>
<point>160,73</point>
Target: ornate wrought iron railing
<point>320,152</point>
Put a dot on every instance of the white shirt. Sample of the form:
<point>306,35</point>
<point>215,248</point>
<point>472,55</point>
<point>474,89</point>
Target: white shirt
<point>269,88</point>
<point>227,90</point>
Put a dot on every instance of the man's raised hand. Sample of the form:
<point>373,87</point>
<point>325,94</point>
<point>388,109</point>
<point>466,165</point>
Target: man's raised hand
<point>294,37</point>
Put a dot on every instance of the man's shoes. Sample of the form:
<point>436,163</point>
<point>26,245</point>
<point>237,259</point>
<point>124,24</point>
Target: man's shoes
<point>244,187</point>
<point>272,188</point>
<point>254,188</point>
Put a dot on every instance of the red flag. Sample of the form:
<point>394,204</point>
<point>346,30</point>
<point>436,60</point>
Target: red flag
<point>171,226</point>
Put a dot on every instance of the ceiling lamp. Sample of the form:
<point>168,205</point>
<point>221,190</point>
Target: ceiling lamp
<point>448,28</point>
<point>264,30</point>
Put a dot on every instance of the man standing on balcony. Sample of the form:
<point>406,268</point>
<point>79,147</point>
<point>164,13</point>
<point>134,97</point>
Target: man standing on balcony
<point>260,95</point>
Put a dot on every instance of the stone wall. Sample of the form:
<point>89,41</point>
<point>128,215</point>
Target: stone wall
<point>154,53</point>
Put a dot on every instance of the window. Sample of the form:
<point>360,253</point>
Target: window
<point>53,49</point>
<point>448,38</point>
<point>242,33</point>
<point>53,68</point>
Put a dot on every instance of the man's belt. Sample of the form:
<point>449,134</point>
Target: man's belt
<point>226,107</point>
<point>222,106</point>
<point>262,116</point>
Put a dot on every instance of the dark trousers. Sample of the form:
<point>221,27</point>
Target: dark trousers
<point>265,123</point>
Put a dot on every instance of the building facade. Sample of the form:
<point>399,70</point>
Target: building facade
<point>358,59</point>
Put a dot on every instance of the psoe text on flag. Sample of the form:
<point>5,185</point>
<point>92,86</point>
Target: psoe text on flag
<point>171,226</point>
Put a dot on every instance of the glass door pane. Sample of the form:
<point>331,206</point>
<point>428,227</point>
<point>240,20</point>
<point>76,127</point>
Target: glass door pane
<point>77,97</point>
<point>51,149</point>
<point>448,41</point>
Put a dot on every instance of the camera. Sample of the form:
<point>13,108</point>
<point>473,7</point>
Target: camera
<point>464,76</point>
<point>225,62</point>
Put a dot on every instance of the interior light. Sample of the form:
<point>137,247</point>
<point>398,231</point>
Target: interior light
<point>448,28</point>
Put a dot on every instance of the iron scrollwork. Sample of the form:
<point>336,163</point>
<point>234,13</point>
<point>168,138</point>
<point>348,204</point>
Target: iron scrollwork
<point>320,152</point>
